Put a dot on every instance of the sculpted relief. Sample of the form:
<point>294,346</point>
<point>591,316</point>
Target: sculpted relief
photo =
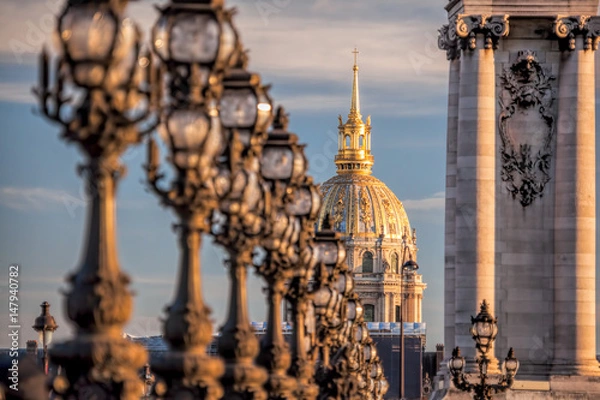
<point>527,126</point>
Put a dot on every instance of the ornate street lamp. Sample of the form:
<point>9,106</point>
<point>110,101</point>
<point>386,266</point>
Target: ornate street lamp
<point>101,99</point>
<point>238,224</point>
<point>291,208</point>
<point>194,41</point>
<point>194,135</point>
<point>149,379</point>
<point>45,327</point>
<point>409,265</point>
<point>484,332</point>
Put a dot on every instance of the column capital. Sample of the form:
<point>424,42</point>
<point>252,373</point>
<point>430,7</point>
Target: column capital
<point>448,41</point>
<point>493,27</point>
<point>567,28</point>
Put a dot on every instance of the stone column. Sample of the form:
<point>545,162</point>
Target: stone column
<point>447,41</point>
<point>475,178</point>
<point>575,201</point>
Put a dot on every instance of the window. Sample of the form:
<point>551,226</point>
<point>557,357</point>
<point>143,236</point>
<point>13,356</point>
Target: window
<point>398,316</point>
<point>361,140</point>
<point>369,313</point>
<point>394,263</point>
<point>367,264</point>
<point>347,138</point>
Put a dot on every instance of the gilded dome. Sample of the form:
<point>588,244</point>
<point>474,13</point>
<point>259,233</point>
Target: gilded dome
<point>361,205</point>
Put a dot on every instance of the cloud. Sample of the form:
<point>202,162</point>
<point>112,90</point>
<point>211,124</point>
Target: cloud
<point>44,199</point>
<point>434,203</point>
<point>36,198</point>
<point>307,44</point>
<point>17,92</point>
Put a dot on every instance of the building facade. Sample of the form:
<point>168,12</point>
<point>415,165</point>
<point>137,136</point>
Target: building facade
<point>373,224</point>
<point>520,187</point>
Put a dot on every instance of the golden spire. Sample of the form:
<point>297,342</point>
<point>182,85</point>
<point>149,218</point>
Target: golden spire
<point>354,137</point>
<point>355,106</point>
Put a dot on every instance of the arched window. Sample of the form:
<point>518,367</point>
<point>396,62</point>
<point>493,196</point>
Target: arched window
<point>367,264</point>
<point>347,139</point>
<point>394,263</point>
<point>369,313</point>
<point>361,141</point>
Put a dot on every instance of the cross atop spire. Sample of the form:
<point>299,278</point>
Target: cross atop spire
<point>356,53</point>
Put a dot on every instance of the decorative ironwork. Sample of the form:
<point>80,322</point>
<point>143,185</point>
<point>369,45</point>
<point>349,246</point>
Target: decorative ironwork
<point>525,163</point>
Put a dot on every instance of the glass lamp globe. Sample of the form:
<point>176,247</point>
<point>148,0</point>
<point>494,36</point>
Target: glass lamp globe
<point>283,158</point>
<point>98,44</point>
<point>344,283</point>
<point>45,325</point>
<point>456,363</point>
<point>187,131</point>
<point>351,310</point>
<point>305,201</point>
<point>245,105</point>
<point>322,299</point>
<point>511,364</point>
<point>195,33</point>
<point>484,328</point>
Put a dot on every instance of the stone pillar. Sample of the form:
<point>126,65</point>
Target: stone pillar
<point>575,201</point>
<point>475,178</point>
<point>447,41</point>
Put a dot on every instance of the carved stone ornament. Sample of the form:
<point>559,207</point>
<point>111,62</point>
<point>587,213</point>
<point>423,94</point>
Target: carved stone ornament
<point>365,209</point>
<point>568,27</point>
<point>493,27</point>
<point>526,126</point>
<point>447,40</point>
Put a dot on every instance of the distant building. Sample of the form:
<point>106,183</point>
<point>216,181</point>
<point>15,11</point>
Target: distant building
<point>386,337</point>
<point>373,224</point>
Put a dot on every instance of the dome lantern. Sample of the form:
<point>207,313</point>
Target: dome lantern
<point>354,136</point>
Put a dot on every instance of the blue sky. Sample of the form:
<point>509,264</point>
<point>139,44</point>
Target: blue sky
<point>304,49</point>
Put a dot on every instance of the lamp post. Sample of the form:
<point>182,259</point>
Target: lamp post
<point>291,208</point>
<point>238,225</point>
<point>99,94</point>
<point>409,265</point>
<point>195,41</point>
<point>149,379</point>
<point>45,327</point>
<point>484,330</point>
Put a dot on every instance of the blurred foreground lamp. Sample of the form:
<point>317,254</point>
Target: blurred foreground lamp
<point>100,46</point>
<point>195,34</point>
<point>245,106</point>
